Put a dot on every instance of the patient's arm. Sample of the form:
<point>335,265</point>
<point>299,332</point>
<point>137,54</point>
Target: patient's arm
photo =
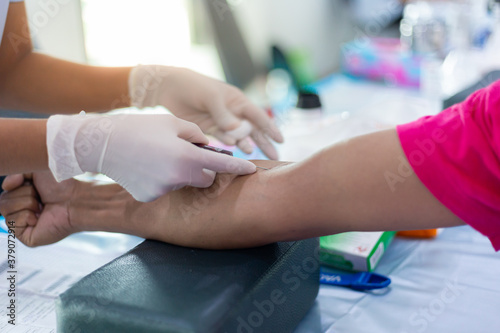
<point>342,188</point>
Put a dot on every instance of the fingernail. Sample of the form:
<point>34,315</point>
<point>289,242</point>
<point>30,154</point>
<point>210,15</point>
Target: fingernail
<point>252,168</point>
<point>245,146</point>
<point>247,149</point>
<point>272,154</point>
<point>277,136</point>
<point>228,140</point>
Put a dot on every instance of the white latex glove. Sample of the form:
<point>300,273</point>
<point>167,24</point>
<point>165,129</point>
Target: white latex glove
<point>149,155</point>
<point>219,109</point>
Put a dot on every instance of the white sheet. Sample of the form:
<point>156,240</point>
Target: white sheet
<point>448,284</point>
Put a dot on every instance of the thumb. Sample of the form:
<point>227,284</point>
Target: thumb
<point>50,227</point>
<point>12,182</point>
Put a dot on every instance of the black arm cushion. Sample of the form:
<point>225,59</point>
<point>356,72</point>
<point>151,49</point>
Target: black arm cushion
<point>158,287</point>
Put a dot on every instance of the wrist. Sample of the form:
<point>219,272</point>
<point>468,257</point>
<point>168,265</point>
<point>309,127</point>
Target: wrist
<point>102,207</point>
<point>75,144</point>
<point>91,140</point>
<point>60,140</point>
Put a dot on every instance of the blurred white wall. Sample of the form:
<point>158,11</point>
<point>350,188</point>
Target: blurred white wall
<point>56,28</point>
<point>320,26</point>
<point>128,32</point>
<point>119,33</point>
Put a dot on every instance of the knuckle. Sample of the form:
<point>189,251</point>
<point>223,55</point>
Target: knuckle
<point>4,207</point>
<point>24,216</point>
<point>32,203</point>
<point>32,192</point>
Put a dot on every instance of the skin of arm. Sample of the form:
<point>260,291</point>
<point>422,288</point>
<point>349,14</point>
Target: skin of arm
<point>342,188</point>
<point>23,145</point>
<point>35,82</point>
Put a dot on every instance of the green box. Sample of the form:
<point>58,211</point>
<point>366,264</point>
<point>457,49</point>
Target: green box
<point>355,251</point>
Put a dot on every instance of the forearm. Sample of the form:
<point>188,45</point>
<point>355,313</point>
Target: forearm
<point>187,217</point>
<point>23,146</point>
<point>31,81</point>
<point>350,186</point>
<point>39,83</point>
<point>342,188</point>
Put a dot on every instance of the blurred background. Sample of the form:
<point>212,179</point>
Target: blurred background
<point>186,32</point>
<point>237,40</point>
<point>368,64</point>
<point>182,32</point>
<point>326,70</point>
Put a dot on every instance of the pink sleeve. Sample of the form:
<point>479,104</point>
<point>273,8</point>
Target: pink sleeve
<point>456,155</point>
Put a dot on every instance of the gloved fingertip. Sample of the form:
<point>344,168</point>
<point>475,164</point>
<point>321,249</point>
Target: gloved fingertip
<point>245,146</point>
<point>226,139</point>
<point>276,135</point>
<point>239,166</point>
<point>279,137</point>
<point>205,140</point>
<point>142,198</point>
<point>271,153</point>
<point>249,168</point>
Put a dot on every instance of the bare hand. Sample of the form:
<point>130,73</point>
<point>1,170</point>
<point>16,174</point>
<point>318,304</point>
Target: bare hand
<point>39,207</point>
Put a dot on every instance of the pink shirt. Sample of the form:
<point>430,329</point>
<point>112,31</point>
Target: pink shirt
<point>456,155</point>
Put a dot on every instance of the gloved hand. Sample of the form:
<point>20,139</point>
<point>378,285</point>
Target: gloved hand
<point>217,108</point>
<point>148,155</point>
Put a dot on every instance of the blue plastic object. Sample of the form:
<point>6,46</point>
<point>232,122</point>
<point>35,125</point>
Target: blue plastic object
<point>357,281</point>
